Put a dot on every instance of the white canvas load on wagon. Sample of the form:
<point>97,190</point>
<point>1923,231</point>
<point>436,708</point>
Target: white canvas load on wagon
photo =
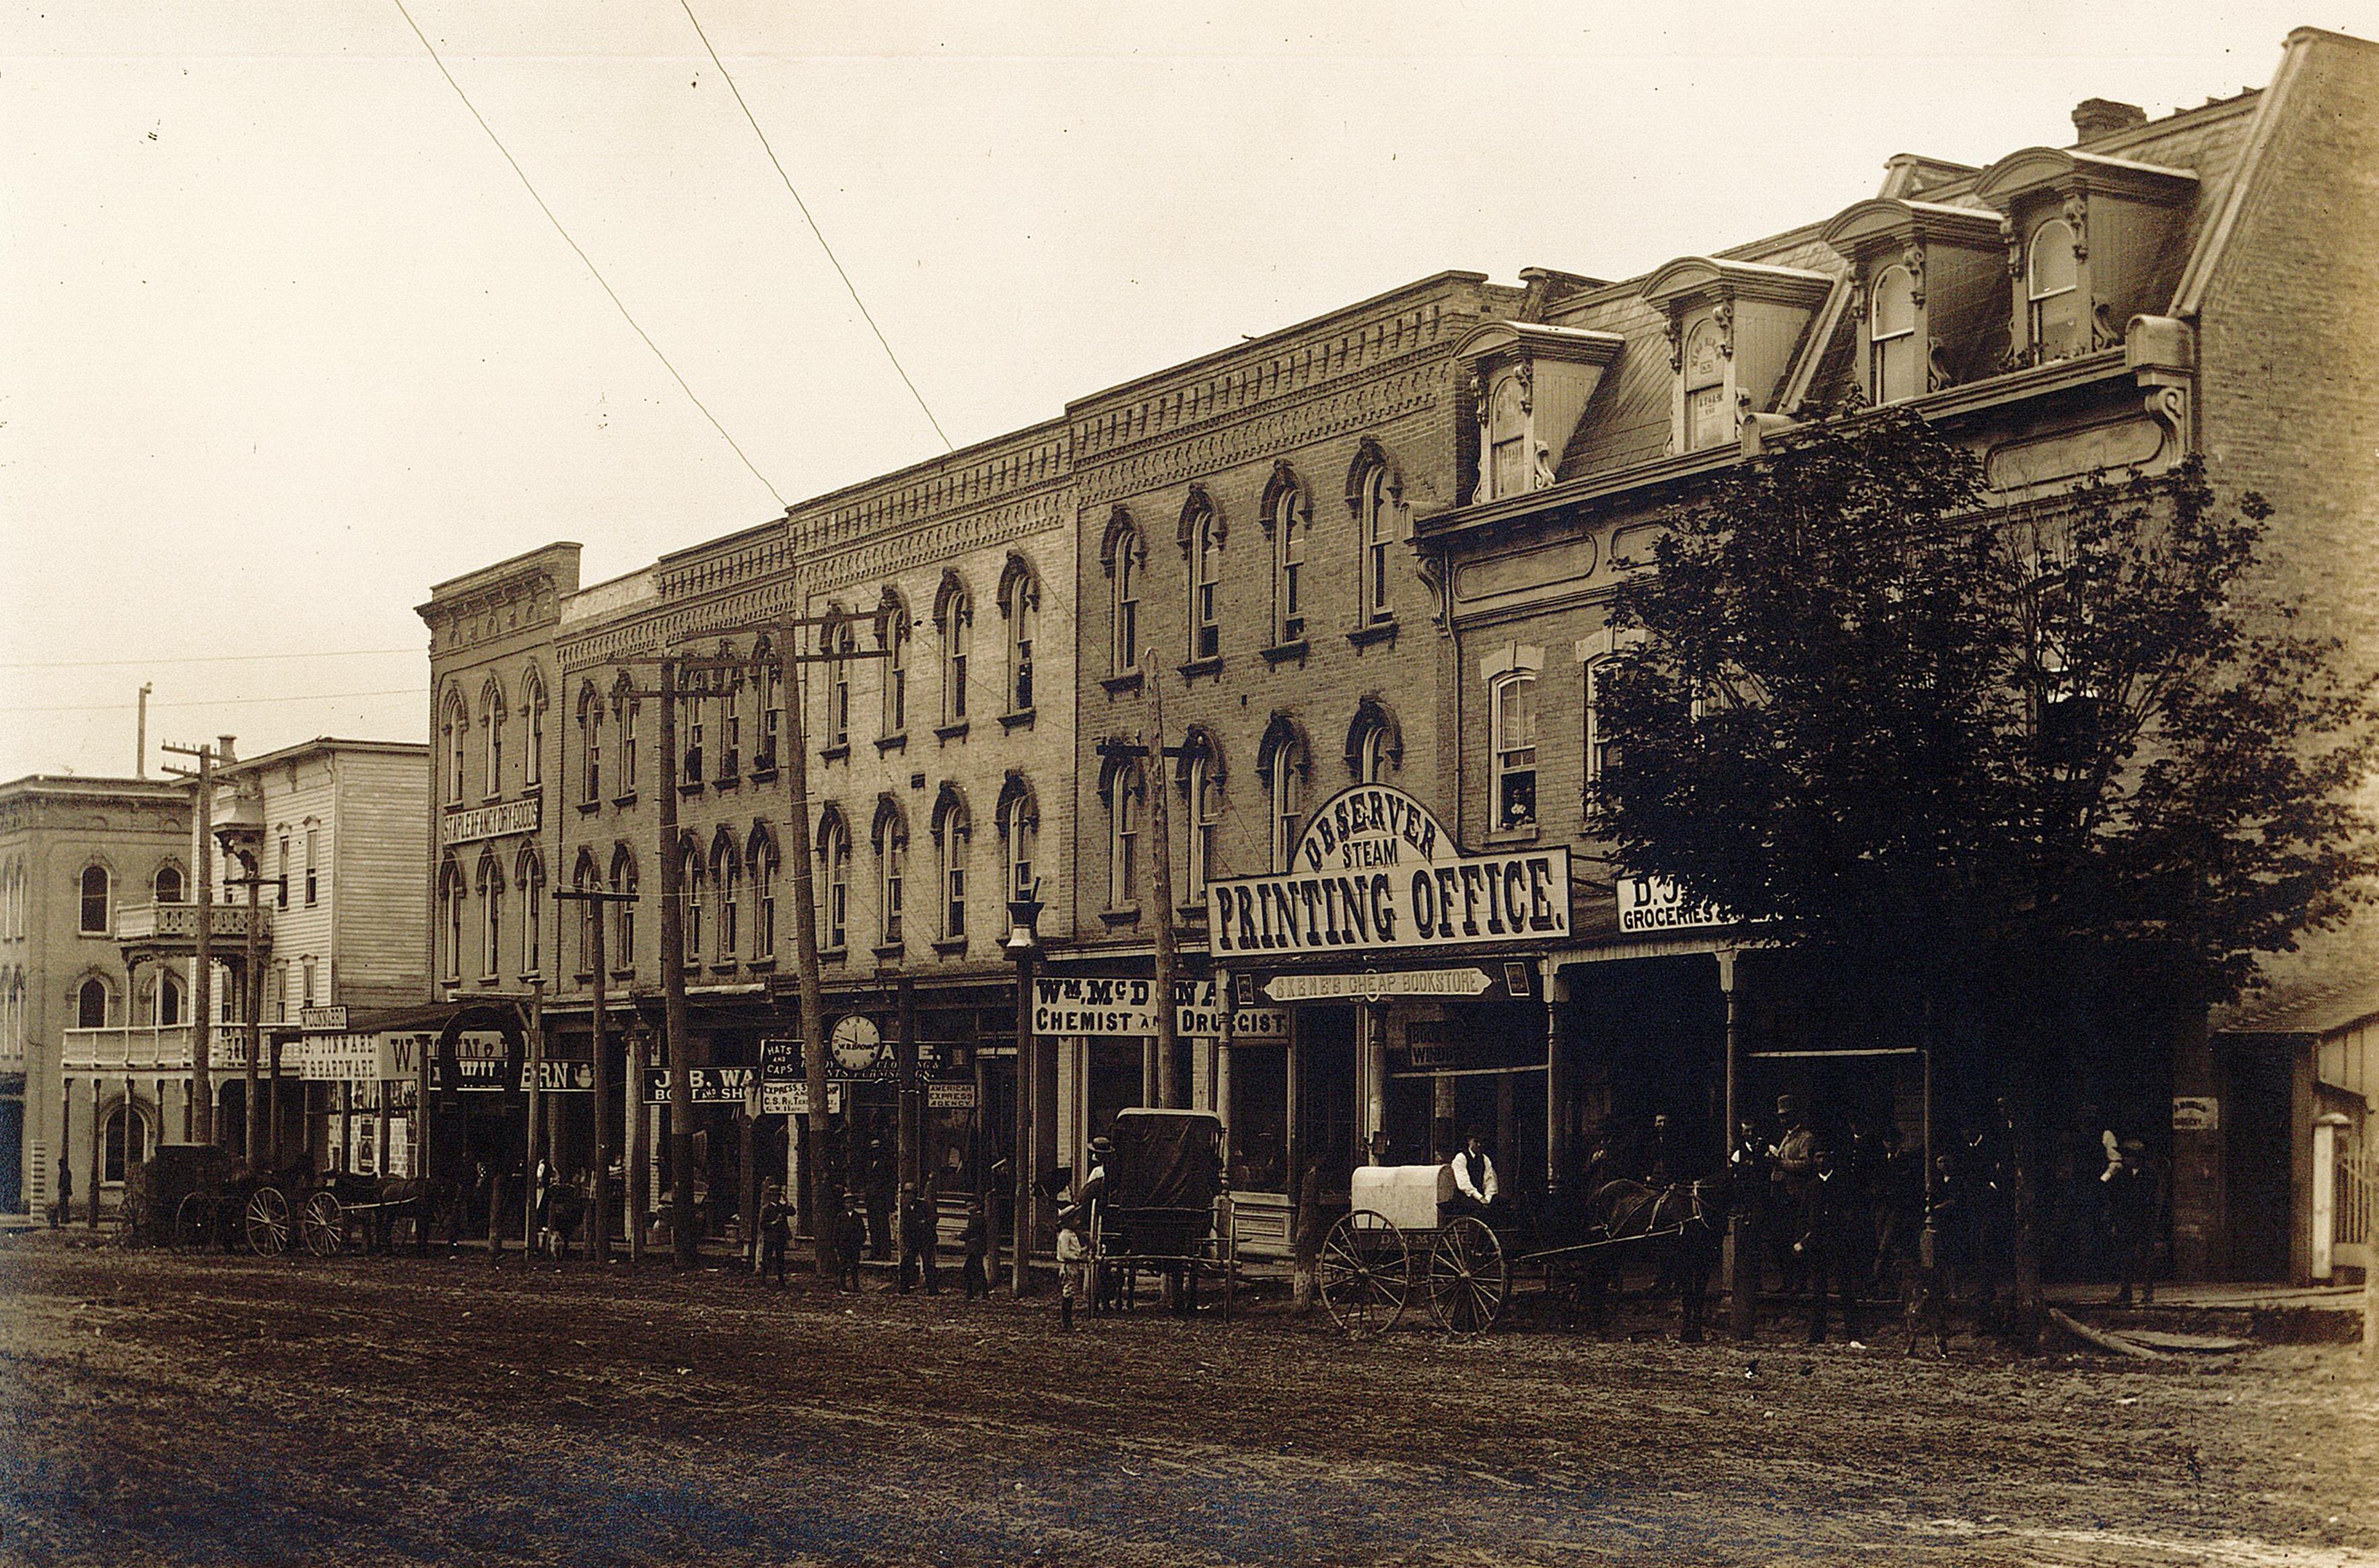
<point>1404,1196</point>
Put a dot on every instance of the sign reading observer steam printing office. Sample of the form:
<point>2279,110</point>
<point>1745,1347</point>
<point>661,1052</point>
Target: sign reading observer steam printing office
<point>1375,870</point>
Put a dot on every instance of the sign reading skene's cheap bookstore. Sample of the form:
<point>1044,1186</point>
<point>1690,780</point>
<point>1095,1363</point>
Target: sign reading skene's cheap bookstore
<point>1375,870</point>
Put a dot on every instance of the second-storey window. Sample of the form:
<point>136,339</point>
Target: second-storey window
<point>1289,566</point>
<point>836,913</point>
<point>1126,795</point>
<point>896,670</point>
<point>958,635</point>
<point>449,898</point>
<point>491,918</point>
<point>1375,527</point>
<point>96,890</point>
<point>892,883</point>
<point>1894,362</point>
<point>690,930</point>
<point>532,893</point>
<point>953,833</point>
<point>1021,831</point>
<point>1205,825</point>
<point>1601,751</point>
<point>623,880</point>
<point>1513,710</point>
<point>764,898</point>
<point>281,888</point>
<point>313,869</point>
<point>1284,787</point>
<point>590,746</point>
<point>1205,585</point>
<point>1126,628</point>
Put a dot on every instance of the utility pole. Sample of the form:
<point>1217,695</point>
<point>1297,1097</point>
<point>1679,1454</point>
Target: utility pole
<point>1169,967</point>
<point>598,1234</point>
<point>252,990</point>
<point>811,988</point>
<point>682,1252</point>
<point>140,736</point>
<point>202,990</point>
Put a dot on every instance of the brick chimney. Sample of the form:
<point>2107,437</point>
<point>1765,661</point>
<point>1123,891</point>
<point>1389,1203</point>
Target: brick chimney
<point>2095,118</point>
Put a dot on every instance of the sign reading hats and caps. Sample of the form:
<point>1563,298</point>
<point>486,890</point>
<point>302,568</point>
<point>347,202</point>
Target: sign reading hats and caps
<point>1375,870</point>
<point>780,1061</point>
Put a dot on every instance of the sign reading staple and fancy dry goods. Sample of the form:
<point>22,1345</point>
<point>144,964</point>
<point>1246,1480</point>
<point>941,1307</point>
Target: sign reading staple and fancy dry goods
<point>1375,870</point>
<point>476,823</point>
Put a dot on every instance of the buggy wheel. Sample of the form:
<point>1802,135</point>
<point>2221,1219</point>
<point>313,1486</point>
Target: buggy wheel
<point>193,1223</point>
<point>1468,1278</point>
<point>323,1225</point>
<point>1364,1273</point>
<point>268,1223</point>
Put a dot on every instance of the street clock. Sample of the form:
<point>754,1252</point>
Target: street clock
<point>857,1043</point>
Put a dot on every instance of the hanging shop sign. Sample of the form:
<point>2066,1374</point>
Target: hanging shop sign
<point>1650,904</point>
<point>1373,986</point>
<point>1374,870</point>
<point>390,1054</point>
<point>479,1065</point>
<point>1080,1005</point>
<point>711,1086</point>
<point>792,1099</point>
<point>324,1020</point>
<point>949,1096</point>
<point>559,1077</point>
<point>470,826</point>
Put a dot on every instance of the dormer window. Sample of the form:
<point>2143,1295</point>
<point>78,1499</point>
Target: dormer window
<point>1530,384</point>
<point>1895,367</point>
<point>1708,419</point>
<point>1508,435</point>
<point>2052,293</point>
<point>1736,331</point>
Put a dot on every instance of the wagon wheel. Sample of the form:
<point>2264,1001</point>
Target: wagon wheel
<point>323,1225</point>
<point>1364,1273</point>
<point>1469,1279</point>
<point>193,1223</point>
<point>268,1223</point>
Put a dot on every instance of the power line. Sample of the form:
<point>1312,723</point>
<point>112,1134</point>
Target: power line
<point>169,659</point>
<point>596,272</point>
<point>226,702</point>
<point>865,313</point>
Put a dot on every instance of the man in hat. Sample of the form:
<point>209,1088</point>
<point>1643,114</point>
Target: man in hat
<point>1792,1164</point>
<point>882,1182</point>
<point>1073,1264</point>
<point>1476,1191</point>
<point>920,1240</point>
<point>775,1230</point>
<point>2134,1202</point>
<point>1091,1193</point>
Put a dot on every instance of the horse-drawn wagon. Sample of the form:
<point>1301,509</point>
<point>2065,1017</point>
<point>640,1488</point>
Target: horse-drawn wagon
<point>1162,1208</point>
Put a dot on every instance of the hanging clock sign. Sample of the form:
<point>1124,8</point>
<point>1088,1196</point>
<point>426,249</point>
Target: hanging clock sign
<point>857,1047</point>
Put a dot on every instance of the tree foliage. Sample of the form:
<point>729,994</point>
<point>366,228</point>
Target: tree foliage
<point>1857,698</point>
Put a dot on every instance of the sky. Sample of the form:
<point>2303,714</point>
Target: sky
<point>285,342</point>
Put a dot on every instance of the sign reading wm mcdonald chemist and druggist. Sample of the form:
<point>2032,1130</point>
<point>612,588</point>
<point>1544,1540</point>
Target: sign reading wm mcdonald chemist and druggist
<point>1080,1005</point>
<point>1374,870</point>
<point>490,822</point>
<point>1655,903</point>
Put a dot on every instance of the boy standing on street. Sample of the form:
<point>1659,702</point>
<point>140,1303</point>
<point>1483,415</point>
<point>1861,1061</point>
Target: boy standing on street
<point>977,1274</point>
<point>1073,1267</point>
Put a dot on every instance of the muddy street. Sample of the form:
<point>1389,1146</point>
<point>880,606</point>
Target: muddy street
<point>165,1408</point>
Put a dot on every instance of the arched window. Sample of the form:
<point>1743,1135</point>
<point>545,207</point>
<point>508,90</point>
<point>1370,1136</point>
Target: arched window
<point>841,638</point>
<point>1020,601</point>
<point>167,886</point>
<point>772,711</point>
<point>1375,744</point>
<point>632,712</point>
<point>533,721</point>
<point>590,744</point>
<point>1125,789</point>
<point>1286,509</point>
<point>953,834</point>
<point>450,908</point>
<point>491,917</point>
<point>124,1143</point>
<point>1020,824</point>
<point>492,719</point>
<point>585,876</point>
<point>1708,421</point>
<point>455,737</point>
<point>762,857</point>
<point>730,724</point>
<point>623,920</point>
<point>1602,752</point>
<point>97,900</point>
<point>1512,710</point>
<point>1509,471</point>
<point>1286,765</point>
<point>694,890</point>
<point>834,910</point>
<point>956,616</point>
<point>896,630</point>
<point>2052,288</point>
<point>690,735</point>
<point>1124,562</point>
<point>891,836</point>
<point>1371,492</point>
<point>1201,531</point>
<point>1202,783</point>
<point>727,875</point>
<point>91,1004</point>
<point>531,870</point>
<point>1893,364</point>
<point>169,1000</point>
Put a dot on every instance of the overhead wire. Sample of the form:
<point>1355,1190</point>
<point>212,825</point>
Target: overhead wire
<point>807,216</point>
<point>170,659</point>
<point>224,702</point>
<point>597,272</point>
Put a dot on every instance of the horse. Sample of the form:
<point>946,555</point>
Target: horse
<point>1680,1226</point>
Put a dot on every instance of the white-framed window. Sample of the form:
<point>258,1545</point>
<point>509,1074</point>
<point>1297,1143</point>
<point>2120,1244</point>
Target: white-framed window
<point>492,719</point>
<point>313,865</point>
<point>1127,798</point>
<point>590,746</point>
<point>1895,365</point>
<point>1512,708</point>
<point>1375,529</point>
<point>624,917</point>
<point>491,918</point>
<point>953,834</point>
<point>1285,801</point>
<point>451,896</point>
<point>456,736</point>
<point>96,917</point>
<point>1709,420</point>
<point>533,721</point>
<point>1021,604</point>
<point>1205,823</point>
<point>1124,626</point>
<point>2053,293</point>
<point>896,670</point>
<point>692,733</point>
<point>958,637</point>
<point>1602,752</point>
<point>1289,565</point>
<point>841,639</point>
<point>891,880</point>
<point>772,716</point>
<point>1022,828</point>
<point>727,872</point>
<point>532,892</point>
<point>1205,584</point>
<point>763,858</point>
<point>690,928</point>
<point>834,913</point>
<point>631,712</point>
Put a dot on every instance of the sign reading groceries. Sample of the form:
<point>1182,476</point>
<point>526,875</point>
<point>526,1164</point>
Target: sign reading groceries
<point>1655,903</point>
<point>1374,870</point>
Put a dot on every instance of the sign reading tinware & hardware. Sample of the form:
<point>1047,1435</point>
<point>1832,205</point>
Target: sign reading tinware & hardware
<point>1375,870</point>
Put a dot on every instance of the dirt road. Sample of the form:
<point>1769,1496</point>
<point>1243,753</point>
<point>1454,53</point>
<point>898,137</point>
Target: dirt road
<point>156,1408</point>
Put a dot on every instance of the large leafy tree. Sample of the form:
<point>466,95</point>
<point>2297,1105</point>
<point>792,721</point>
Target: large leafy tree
<point>2007,755</point>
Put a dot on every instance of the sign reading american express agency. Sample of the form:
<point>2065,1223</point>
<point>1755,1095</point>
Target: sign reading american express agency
<point>1375,870</point>
<point>490,822</point>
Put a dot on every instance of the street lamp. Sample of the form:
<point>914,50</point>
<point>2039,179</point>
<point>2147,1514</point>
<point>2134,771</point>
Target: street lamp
<point>1024,947</point>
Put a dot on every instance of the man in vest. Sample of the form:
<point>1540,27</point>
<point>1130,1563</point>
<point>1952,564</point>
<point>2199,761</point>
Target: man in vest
<point>1475,1188</point>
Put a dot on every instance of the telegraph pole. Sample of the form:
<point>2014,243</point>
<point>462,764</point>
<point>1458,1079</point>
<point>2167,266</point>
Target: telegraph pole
<point>1160,824</point>
<point>600,1231</point>
<point>253,997</point>
<point>796,765</point>
<point>682,1252</point>
<point>202,990</point>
